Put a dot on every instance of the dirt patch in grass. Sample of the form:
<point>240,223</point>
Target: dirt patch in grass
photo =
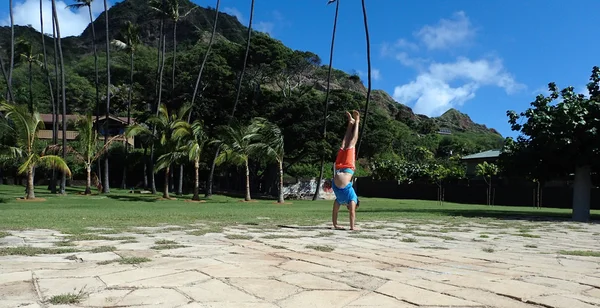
<point>238,237</point>
<point>103,249</point>
<point>580,253</point>
<point>321,248</point>
<point>34,251</point>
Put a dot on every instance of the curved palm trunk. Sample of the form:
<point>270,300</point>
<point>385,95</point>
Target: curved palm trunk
<point>166,185</point>
<point>30,192</point>
<point>364,119</point>
<point>12,43</point>
<point>106,184</point>
<point>237,97</point>
<point>196,197</point>
<point>63,181</point>
<point>96,83</point>
<point>247,182</point>
<point>337,7</point>
<point>280,199</point>
<point>30,88</point>
<point>88,183</point>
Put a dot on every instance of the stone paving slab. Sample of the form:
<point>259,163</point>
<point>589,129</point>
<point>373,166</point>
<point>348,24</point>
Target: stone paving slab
<point>468,263</point>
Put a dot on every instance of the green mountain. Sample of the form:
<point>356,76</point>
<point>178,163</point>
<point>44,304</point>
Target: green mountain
<point>284,85</point>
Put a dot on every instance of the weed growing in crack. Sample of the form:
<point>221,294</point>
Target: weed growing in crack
<point>321,248</point>
<point>434,247</point>
<point>484,236</point>
<point>488,249</point>
<point>275,236</point>
<point>238,237</point>
<point>325,234</point>
<point>4,234</point>
<point>34,251</point>
<point>66,299</point>
<point>530,246</point>
<point>580,253</point>
<point>129,242</point>
<point>409,240</point>
<point>64,244</point>
<point>365,236</point>
<point>167,246</point>
<point>103,249</point>
<point>165,242</point>
<point>126,260</point>
<point>529,235</point>
<point>278,247</point>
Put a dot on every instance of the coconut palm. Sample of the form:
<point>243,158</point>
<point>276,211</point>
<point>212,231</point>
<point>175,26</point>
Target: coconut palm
<point>364,120</point>
<point>193,138</point>
<point>325,115</point>
<point>236,146</point>
<point>56,24</point>
<point>161,135</point>
<point>78,5</point>
<point>132,40</point>
<point>237,97</point>
<point>26,126</point>
<point>270,145</point>
<point>106,184</point>
<point>89,149</point>
<point>26,52</point>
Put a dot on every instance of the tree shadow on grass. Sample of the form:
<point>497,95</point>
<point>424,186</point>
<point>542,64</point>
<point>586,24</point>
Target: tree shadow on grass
<point>528,215</point>
<point>132,198</point>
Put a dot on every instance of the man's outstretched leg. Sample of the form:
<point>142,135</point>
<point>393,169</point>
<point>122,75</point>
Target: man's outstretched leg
<point>352,214</point>
<point>334,215</point>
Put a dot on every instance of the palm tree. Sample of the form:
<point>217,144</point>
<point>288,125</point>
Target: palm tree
<point>52,185</point>
<point>132,40</point>
<point>63,182</point>
<point>236,145</point>
<point>193,138</point>
<point>26,126</point>
<point>161,134</point>
<point>26,52</point>
<point>106,184</point>
<point>270,145</point>
<point>12,43</point>
<point>89,149</point>
<point>364,120</point>
<point>325,115</point>
<point>237,97</point>
<point>78,5</point>
<point>8,87</point>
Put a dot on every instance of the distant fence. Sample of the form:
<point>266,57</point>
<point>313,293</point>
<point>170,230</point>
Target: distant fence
<point>474,193</point>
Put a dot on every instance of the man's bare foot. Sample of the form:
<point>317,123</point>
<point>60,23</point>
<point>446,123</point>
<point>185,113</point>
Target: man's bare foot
<point>355,115</point>
<point>355,229</point>
<point>350,119</point>
<point>339,227</point>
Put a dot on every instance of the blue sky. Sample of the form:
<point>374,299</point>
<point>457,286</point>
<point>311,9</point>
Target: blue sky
<point>481,57</point>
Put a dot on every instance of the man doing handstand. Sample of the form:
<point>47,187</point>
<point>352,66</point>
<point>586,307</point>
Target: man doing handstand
<point>344,170</point>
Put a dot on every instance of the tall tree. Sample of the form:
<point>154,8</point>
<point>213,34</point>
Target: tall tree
<point>237,98</point>
<point>193,138</point>
<point>12,43</point>
<point>89,149</point>
<point>269,144</point>
<point>56,23</point>
<point>325,115</point>
<point>52,185</point>
<point>487,171</point>
<point>25,50</point>
<point>132,40</point>
<point>8,87</point>
<point>568,130</point>
<point>26,126</point>
<point>78,5</point>
<point>236,142</point>
<point>106,183</point>
<point>366,113</point>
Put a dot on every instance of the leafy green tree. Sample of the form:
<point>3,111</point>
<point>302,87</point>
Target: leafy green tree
<point>269,143</point>
<point>26,127</point>
<point>236,144</point>
<point>487,171</point>
<point>192,138</point>
<point>437,173</point>
<point>568,132</point>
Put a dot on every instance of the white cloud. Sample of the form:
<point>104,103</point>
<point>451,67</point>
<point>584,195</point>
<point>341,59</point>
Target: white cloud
<point>375,74</point>
<point>432,92</point>
<point>409,61</point>
<point>447,33</point>
<point>71,22</point>
<point>235,12</point>
<point>264,26</point>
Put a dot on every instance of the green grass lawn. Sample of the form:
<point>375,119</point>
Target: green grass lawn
<point>120,210</point>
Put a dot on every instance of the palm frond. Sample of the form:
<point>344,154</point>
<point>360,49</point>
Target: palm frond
<point>31,160</point>
<point>54,162</point>
<point>119,44</point>
<point>105,147</point>
<point>168,159</point>
<point>10,152</point>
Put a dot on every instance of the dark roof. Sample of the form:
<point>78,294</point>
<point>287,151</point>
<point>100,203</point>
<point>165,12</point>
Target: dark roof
<point>483,155</point>
<point>47,118</point>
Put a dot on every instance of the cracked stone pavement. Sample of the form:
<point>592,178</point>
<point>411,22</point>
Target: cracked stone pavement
<point>401,264</point>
